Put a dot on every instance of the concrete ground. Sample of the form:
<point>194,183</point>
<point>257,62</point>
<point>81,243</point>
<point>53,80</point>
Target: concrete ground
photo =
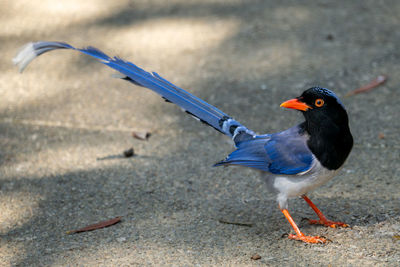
<point>64,118</point>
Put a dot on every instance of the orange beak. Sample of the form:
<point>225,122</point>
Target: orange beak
<point>295,104</point>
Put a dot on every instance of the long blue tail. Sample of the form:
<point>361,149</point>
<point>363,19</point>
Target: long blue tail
<point>192,105</point>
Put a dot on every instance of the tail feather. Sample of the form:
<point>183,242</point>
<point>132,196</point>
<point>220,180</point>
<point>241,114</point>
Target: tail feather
<point>193,105</point>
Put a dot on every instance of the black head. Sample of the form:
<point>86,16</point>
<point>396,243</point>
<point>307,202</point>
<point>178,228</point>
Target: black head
<point>319,104</point>
<point>327,124</point>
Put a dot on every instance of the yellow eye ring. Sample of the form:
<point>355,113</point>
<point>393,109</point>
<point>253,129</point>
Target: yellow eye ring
<point>319,102</point>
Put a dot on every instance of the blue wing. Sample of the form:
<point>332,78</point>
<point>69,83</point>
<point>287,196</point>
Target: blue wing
<point>281,153</point>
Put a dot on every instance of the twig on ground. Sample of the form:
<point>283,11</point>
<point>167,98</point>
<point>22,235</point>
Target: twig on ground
<point>96,226</point>
<point>236,223</point>
<point>381,79</point>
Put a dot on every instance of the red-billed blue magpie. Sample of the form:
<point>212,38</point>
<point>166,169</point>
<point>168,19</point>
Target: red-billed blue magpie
<point>293,162</point>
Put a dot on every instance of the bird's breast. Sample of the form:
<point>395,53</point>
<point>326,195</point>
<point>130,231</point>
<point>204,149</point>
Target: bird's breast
<point>300,184</point>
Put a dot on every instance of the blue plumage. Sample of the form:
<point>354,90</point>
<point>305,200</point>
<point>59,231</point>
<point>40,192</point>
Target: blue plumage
<point>280,153</point>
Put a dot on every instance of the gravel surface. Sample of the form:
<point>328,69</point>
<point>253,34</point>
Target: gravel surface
<point>65,123</point>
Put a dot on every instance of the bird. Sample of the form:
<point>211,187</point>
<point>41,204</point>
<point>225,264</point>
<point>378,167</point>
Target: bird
<point>292,162</point>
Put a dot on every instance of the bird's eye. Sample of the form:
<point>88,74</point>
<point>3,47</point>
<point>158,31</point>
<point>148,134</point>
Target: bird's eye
<point>319,102</point>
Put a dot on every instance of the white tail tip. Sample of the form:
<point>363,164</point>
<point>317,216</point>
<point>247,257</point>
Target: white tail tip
<point>25,55</point>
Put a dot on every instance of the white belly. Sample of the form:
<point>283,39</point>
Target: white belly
<point>289,186</point>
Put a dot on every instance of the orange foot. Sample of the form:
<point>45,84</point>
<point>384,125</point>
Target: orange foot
<point>308,239</point>
<point>329,223</point>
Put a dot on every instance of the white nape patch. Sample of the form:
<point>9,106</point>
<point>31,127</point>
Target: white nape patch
<point>25,55</point>
<point>104,61</point>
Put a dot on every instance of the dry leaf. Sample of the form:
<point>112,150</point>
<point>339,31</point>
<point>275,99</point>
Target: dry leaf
<point>255,257</point>
<point>96,226</point>
<point>381,79</point>
<point>235,223</point>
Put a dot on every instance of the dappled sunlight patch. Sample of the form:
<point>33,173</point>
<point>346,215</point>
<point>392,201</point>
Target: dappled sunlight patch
<point>124,252</point>
<point>61,159</point>
<point>17,208</point>
<point>52,14</point>
<point>173,36</point>
<point>159,240</point>
<point>30,89</point>
<point>162,39</point>
<point>9,252</point>
<point>272,59</point>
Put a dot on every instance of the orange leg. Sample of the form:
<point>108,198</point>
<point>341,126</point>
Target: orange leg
<point>299,235</point>
<point>322,219</point>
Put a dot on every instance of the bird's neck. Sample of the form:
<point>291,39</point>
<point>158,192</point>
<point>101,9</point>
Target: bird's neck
<point>331,143</point>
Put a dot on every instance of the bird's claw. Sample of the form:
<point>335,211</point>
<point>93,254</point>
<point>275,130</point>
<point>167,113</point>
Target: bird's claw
<point>308,239</point>
<point>328,223</point>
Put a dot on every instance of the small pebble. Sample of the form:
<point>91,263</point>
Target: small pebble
<point>121,239</point>
<point>255,257</point>
<point>330,37</point>
<point>129,152</point>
